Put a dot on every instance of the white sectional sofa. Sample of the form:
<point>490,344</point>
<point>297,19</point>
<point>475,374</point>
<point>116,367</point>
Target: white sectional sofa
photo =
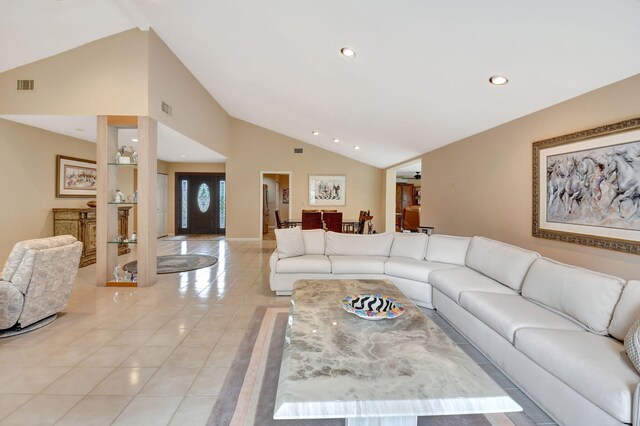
<point>555,330</point>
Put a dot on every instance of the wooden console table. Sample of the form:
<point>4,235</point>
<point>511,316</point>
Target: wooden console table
<point>81,223</point>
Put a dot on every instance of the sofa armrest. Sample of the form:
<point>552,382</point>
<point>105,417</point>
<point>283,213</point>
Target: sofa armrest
<point>11,303</point>
<point>273,260</point>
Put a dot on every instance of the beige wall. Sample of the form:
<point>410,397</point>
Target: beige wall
<point>172,169</point>
<point>481,185</point>
<point>27,181</point>
<point>195,113</point>
<point>163,167</point>
<point>107,76</point>
<point>256,150</point>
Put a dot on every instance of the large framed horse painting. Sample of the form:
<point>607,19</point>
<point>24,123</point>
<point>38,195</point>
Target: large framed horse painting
<point>586,187</point>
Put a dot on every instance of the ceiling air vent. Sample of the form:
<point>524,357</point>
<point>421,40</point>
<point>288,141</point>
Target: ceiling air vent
<point>297,150</point>
<point>167,108</point>
<point>25,84</point>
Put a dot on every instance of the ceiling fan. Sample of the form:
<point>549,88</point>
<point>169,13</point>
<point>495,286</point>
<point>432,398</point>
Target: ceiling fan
<point>417,176</point>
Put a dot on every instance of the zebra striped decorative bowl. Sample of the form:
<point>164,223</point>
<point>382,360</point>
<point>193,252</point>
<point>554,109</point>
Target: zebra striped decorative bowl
<point>372,306</point>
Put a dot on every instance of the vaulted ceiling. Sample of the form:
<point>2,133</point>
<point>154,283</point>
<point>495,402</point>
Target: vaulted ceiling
<point>419,79</point>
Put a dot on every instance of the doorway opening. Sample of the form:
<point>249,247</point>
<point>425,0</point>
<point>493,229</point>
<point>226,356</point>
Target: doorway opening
<point>275,195</point>
<point>404,197</point>
<point>200,203</point>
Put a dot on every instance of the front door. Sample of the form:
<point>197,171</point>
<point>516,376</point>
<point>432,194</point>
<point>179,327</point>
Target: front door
<point>200,203</point>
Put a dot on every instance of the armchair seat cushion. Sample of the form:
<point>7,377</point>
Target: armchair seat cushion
<point>506,313</point>
<point>307,264</point>
<point>417,270</point>
<point>594,366</point>
<point>452,282</point>
<point>357,264</point>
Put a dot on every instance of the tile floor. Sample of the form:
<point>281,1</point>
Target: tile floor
<point>150,356</point>
<point>145,356</point>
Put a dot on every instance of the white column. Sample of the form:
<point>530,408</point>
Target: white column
<point>147,203</point>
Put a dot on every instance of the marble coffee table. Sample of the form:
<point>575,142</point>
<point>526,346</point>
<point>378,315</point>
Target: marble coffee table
<point>387,372</point>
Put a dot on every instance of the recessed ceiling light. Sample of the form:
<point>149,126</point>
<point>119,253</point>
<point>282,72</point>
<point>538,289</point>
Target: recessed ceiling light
<point>315,133</point>
<point>336,140</point>
<point>356,147</point>
<point>134,140</point>
<point>348,52</point>
<point>498,80</point>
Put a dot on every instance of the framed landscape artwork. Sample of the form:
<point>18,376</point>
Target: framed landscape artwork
<point>75,177</point>
<point>586,187</point>
<point>327,190</point>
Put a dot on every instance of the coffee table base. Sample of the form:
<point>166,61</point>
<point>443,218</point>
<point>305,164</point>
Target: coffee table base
<point>382,421</point>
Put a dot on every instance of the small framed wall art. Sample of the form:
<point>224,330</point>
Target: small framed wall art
<point>327,190</point>
<point>75,177</point>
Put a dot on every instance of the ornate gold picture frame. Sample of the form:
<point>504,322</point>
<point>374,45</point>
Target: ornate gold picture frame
<point>586,187</point>
<point>75,177</point>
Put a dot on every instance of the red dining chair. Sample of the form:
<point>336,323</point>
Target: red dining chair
<point>333,221</point>
<point>311,220</point>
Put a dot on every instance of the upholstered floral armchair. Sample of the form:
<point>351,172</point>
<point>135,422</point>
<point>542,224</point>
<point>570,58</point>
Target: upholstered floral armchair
<point>37,281</point>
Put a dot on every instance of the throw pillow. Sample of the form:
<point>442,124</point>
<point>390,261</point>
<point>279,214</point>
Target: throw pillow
<point>290,242</point>
<point>632,344</point>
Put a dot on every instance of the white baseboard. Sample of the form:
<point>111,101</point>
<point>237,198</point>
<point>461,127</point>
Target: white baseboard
<point>242,239</point>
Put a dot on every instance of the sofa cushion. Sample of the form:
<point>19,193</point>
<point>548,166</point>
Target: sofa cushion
<point>632,344</point>
<point>412,246</point>
<point>447,249</point>
<point>289,242</point>
<point>357,264</point>
<point>358,245</point>
<point>594,366</point>
<point>506,313</point>
<point>586,296</point>
<point>307,264</point>
<point>313,241</point>
<point>411,269</point>
<point>19,250</point>
<point>627,310</point>
<point>503,262</point>
<point>452,282</point>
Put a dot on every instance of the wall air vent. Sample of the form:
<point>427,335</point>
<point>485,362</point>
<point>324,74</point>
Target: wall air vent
<point>25,84</point>
<point>297,150</point>
<point>167,108</point>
